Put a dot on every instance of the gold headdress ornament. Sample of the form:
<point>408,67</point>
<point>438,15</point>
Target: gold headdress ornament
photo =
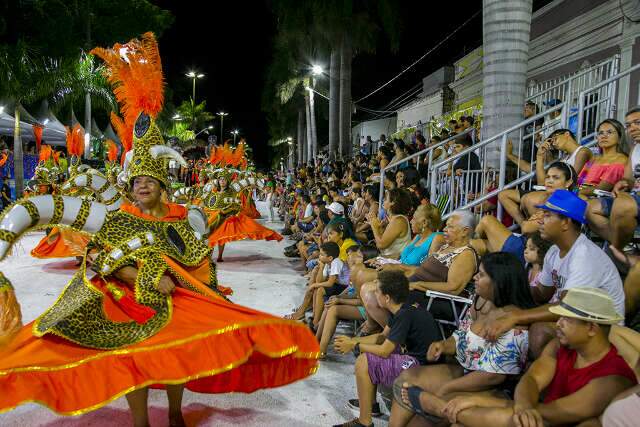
<point>135,71</point>
<point>226,162</point>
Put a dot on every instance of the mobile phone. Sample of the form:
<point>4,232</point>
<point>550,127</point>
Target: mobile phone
<point>602,193</point>
<point>539,187</point>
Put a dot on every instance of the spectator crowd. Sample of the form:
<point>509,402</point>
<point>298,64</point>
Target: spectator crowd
<point>532,319</point>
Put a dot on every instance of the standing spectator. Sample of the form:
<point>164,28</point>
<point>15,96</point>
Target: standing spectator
<point>5,193</point>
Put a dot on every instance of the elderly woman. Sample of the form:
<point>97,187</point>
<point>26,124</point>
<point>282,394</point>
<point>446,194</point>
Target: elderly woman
<point>448,270</point>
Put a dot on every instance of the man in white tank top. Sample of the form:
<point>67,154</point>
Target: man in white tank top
<point>624,207</point>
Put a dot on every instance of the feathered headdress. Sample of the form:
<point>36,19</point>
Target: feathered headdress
<point>134,70</point>
<point>3,159</point>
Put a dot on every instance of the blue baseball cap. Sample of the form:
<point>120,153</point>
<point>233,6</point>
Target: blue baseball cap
<point>566,203</point>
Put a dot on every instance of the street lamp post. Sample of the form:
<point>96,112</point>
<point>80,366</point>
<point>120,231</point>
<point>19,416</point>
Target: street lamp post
<point>193,75</point>
<point>222,114</point>
<point>235,134</point>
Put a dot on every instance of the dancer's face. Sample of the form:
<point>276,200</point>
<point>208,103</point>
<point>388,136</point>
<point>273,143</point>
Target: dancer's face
<point>147,190</point>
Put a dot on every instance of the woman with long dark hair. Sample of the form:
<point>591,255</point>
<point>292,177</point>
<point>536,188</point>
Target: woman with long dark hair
<point>501,285</point>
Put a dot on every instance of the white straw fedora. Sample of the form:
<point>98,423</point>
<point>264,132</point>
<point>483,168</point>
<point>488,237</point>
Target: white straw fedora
<point>588,304</point>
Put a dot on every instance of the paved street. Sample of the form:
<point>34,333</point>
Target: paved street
<point>261,277</point>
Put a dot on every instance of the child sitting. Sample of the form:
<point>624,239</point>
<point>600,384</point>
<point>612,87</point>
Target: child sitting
<point>534,253</point>
<point>330,277</point>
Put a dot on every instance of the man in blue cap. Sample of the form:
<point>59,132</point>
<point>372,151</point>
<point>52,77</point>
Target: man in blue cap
<point>573,261</point>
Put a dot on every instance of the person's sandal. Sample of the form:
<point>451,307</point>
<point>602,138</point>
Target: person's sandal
<point>354,404</point>
<point>353,423</point>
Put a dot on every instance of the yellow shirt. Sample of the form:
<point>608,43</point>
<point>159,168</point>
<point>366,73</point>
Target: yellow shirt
<point>346,244</point>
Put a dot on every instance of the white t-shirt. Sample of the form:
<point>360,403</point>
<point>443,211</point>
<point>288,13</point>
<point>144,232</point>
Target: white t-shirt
<point>308,211</point>
<point>584,266</point>
<point>337,268</point>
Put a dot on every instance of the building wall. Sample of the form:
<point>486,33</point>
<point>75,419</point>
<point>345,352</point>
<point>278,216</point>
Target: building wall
<point>373,128</point>
<point>420,111</point>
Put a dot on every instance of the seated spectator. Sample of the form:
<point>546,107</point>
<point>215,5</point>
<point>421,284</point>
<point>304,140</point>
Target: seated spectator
<point>399,154</point>
<point>569,264</point>
<point>624,409</point>
<point>521,206</point>
<point>402,344</point>
<point>347,305</point>
<point>631,287</point>
<point>493,236</point>
<point>305,224</point>
<point>330,277</point>
<point>469,161</point>
<point>479,364</point>
<point>534,252</point>
<point>363,231</point>
<point>393,238</point>
<point>605,170</point>
<point>424,223</point>
<point>573,381</point>
<point>359,208</point>
<point>448,270</point>
<point>615,219</point>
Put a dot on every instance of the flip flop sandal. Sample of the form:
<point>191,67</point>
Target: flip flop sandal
<point>414,400</point>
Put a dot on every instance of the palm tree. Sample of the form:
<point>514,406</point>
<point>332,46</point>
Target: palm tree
<point>27,77</point>
<point>506,28</point>
<point>334,102</point>
<point>196,116</point>
<point>84,82</point>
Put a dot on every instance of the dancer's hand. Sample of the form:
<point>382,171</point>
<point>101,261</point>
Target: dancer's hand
<point>166,285</point>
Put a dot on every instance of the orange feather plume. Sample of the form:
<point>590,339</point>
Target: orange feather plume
<point>3,159</point>
<point>112,150</point>
<point>45,153</point>
<point>124,132</point>
<point>135,71</point>
<point>75,140</point>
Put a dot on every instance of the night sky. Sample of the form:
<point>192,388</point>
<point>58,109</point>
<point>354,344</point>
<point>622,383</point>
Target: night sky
<point>231,44</point>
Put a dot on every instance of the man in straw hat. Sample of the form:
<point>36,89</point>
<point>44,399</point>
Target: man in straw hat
<point>573,381</point>
<point>572,262</point>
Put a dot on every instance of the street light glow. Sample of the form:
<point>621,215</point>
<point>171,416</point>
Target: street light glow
<point>316,70</point>
<point>191,74</point>
<point>210,127</point>
<point>200,76</point>
<point>45,121</point>
<point>176,117</point>
<point>222,113</point>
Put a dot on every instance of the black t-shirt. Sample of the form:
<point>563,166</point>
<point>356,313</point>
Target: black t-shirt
<point>413,329</point>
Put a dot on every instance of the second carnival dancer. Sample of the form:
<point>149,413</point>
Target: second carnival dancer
<point>151,313</point>
<point>221,200</point>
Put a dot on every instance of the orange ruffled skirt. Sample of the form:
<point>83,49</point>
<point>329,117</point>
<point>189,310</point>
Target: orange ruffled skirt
<point>210,344</point>
<point>249,207</point>
<point>61,243</point>
<point>239,227</point>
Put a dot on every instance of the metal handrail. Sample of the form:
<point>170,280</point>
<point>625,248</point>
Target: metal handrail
<point>579,74</point>
<point>414,155</point>
<point>581,100</point>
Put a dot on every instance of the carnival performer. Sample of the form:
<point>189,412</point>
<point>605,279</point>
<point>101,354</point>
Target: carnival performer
<point>221,200</point>
<point>153,313</point>
<point>63,242</point>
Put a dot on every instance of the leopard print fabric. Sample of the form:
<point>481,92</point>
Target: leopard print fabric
<point>77,315</point>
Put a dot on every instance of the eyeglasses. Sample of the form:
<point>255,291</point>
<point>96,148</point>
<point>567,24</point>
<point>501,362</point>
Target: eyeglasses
<point>635,123</point>
<point>606,132</point>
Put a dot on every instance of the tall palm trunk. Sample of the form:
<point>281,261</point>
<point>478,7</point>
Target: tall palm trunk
<point>309,153</point>
<point>300,136</point>
<point>314,131</point>
<point>346,55</point>
<point>18,167</point>
<point>305,147</point>
<point>505,32</point>
<point>334,102</point>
